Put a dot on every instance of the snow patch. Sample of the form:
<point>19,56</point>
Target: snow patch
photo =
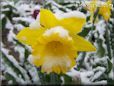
<point>21,51</point>
<point>100,27</point>
<point>87,75</point>
<point>10,82</point>
<point>13,60</point>
<point>75,14</point>
<point>19,26</point>
<point>59,30</point>
<point>63,81</point>
<point>34,73</point>
<point>73,73</point>
<point>99,71</point>
<point>30,59</point>
<point>84,77</point>
<point>35,24</point>
<point>23,8</point>
<point>11,36</point>
<point>2,16</point>
<point>25,19</point>
<point>9,25</point>
<point>37,7</point>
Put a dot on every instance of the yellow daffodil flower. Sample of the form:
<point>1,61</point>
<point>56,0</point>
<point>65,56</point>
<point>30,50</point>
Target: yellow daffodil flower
<point>104,8</point>
<point>54,44</point>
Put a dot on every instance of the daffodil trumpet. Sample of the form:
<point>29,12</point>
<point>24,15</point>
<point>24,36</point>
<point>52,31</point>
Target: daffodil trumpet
<point>54,40</point>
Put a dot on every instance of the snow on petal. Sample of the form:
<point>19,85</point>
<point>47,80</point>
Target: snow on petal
<point>76,14</point>
<point>60,30</point>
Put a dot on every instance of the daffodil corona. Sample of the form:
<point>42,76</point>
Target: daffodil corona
<point>54,40</point>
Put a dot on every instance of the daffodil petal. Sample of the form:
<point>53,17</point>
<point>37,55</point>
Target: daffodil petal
<point>29,36</point>
<point>37,54</point>
<point>82,44</point>
<point>72,21</point>
<point>105,10</point>
<point>38,61</point>
<point>47,19</point>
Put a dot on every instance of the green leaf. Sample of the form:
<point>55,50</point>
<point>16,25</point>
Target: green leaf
<point>110,82</point>
<point>10,77</point>
<point>52,78</point>
<point>55,79</point>
<point>10,13</point>
<point>3,22</point>
<point>85,32</point>
<point>67,79</point>
<point>100,49</point>
<point>109,66</point>
<point>8,62</point>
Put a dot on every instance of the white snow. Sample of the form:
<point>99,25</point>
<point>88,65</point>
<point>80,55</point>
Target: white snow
<point>10,82</point>
<point>99,71</point>
<point>102,82</point>
<point>100,27</point>
<point>75,14</point>
<point>34,74</point>
<point>63,81</point>
<point>87,75</point>
<point>22,8</point>
<point>30,59</point>
<point>21,51</point>
<point>7,3</point>
<point>13,60</point>
<point>74,74</point>
<point>84,77</point>
<point>18,26</point>
<point>4,3</point>
<point>2,77</point>
<point>25,19</point>
<point>1,66</point>
<point>5,9</point>
<point>35,24</point>
<point>2,16</point>
<point>11,36</point>
<point>86,62</point>
<point>58,5</point>
<point>57,30</point>
<point>37,7</point>
<point>12,73</point>
<point>88,25</point>
<point>111,74</point>
<point>9,25</point>
<point>97,60</point>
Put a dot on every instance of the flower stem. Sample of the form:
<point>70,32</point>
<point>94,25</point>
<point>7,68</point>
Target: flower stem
<point>54,79</point>
<point>93,25</point>
<point>108,40</point>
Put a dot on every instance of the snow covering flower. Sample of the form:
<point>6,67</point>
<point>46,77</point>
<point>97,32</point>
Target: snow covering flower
<point>54,42</point>
<point>104,8</point>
